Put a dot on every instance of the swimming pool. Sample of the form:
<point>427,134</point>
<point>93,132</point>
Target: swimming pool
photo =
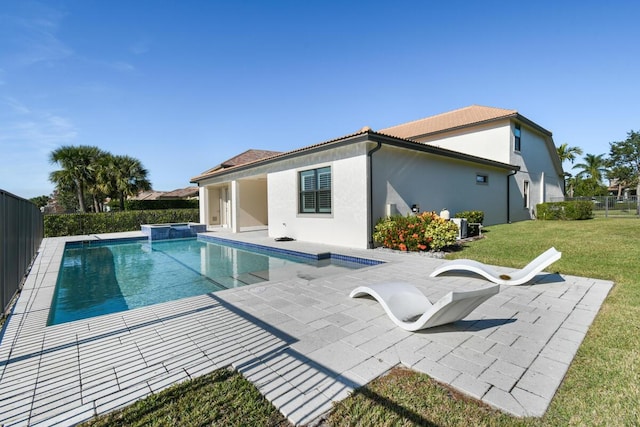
<point>102,277</point>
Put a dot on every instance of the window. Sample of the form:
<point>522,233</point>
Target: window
<point>315,191</point>
<point>482,179</point>
<point>525,194</point>
<point>516,134</point>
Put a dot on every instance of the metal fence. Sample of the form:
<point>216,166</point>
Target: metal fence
<point>612,206</point>
<point>21,232</point>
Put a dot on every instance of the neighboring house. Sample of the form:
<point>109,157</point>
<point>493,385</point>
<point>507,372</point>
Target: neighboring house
<point>188,193</point>
<point>475,158</point>
<point>620,189</point>
<point>147,195</point>
<point>180,193</point>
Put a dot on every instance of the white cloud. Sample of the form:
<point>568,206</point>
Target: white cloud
<point>32,39</point>
<point>24,126</point>
<point>27,136</point>
<point>16,106</point>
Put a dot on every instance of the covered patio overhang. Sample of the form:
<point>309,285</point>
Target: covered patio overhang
<point>238,204</point>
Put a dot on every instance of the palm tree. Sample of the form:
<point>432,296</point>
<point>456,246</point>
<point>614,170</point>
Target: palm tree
<point>78,169</point>
<point>98,186</point>
<point>593,167</point>
<point>567,153</point>
<point>129,177</point>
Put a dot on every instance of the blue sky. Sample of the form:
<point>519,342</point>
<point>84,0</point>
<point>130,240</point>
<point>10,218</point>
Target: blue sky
<point>184,85</point>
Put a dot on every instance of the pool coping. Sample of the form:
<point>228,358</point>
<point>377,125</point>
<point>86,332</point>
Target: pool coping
<point>304,344</point>
<point>318,256</point>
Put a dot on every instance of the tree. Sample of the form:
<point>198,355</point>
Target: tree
<point>40,201</point>
<point>624,161</point>
<point>93,175</point>
<point>588,187</point>
<point>78,167</point>
<point>65,199</point>
<point>593,167</point>
<point>567,153</point>
<point>128,178</point>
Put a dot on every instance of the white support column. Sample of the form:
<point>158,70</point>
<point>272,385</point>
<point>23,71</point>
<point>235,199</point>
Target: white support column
<point>542,187</point>
<point>203,204</point>
<point>235,206</point>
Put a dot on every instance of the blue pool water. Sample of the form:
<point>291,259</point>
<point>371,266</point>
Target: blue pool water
<point>98,278</point>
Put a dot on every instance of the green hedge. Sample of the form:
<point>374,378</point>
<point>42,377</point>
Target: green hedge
<point>573,210</point>
<point>476,217</point>
<point>145,205</point>
<point>110,222</point>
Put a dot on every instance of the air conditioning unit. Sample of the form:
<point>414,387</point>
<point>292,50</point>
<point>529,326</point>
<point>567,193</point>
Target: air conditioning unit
<point>462,227</point>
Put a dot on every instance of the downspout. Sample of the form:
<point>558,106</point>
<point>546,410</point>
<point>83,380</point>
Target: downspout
<point>508,198</point>
<point>370,214</point>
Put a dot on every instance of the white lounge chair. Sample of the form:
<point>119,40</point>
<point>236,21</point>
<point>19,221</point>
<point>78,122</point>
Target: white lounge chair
<point>412,311</point>
<point>518,277</point>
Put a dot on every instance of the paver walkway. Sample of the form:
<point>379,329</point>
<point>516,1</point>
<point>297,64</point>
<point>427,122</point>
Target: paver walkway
<point>302,341</point>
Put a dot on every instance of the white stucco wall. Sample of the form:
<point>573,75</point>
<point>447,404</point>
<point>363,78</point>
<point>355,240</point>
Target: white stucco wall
<point>347,223</point>
<point>252,209</point>
<point>496,141</point>
<point>404,177</point>
<point>536,167</point>
<point>490,141</point>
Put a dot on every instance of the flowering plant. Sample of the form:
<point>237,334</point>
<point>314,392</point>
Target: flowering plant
<point>423,232</point>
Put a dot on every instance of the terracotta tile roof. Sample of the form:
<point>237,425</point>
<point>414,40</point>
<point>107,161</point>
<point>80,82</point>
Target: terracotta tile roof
<point>180,193</point>
<point>467,116</point>
<point>148,195</point>
<point>364,131</point>
<point>274,155</point>
<point>248,156</point>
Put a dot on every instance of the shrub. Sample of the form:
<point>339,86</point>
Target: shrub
<point>143,205</point>
<point>426,231</point>
<point>572,210</point>
<point>93,223</point>
<point>472,217</point>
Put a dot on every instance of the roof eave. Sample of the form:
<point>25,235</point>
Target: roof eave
<point>359,137</point>
<point>532,124</point>
<point>287,155</point>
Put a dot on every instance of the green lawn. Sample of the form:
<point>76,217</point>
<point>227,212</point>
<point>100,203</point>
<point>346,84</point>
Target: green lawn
<point>602,386</point>
<point>223,398</point>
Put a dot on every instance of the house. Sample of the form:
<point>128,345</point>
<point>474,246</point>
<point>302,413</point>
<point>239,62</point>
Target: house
<point>474,158</point>
<point>188,193</point>
<point>147,195</point>
<point>180,193</point>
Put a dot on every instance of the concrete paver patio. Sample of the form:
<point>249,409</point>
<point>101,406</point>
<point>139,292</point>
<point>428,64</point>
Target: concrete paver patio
<point>302,341</point>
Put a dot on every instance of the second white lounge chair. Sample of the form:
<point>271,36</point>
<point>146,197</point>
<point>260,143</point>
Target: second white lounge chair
<point>518,277</point>
<point>412,311</point>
